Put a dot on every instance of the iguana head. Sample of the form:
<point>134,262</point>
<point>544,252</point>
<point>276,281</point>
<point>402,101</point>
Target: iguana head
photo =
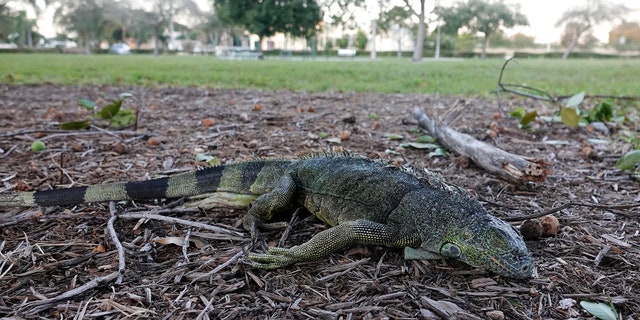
<point>486,242</point>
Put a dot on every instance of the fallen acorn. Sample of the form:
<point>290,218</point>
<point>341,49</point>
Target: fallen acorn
<point>534,229</point>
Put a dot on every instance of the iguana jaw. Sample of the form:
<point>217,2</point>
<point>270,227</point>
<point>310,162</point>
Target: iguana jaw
<point>520,270</point>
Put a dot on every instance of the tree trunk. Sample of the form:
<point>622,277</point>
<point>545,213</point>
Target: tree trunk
<point>437,54</point>
<point>571,46</point>
<point>399,47</point>
<point>417,51</point>
<point>374,31</point>
<point>29,38</point>
<point>485,44</point>
<point>156,41</point>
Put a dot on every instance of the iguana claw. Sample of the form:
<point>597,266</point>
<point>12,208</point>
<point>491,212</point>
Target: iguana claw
<point>274,258</point>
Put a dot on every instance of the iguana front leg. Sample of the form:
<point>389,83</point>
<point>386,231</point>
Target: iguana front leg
<point>263,208</point>
<point>332,240</point>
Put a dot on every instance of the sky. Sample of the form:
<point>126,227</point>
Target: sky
<point>542,15</point>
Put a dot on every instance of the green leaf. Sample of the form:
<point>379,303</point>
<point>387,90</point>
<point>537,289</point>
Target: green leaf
<point>203,157</point>
<point>75,125</point>
<point>629,160</point>
<point>123,118</point>
<point>425,139</point>
<point>372,116</point>
<point>600,310</point>
<point>569,117</point>
<point>393,136</point>
<point>322,135</point>
<point>606,110</point>
<point>88,104</point>
<point>211,160</point>
<point>519,112</point>
<point>417,145</point>
<point>574,100</point>
<point>108,111</point>
<point>528,118</point>
<point>438,152</point>
<point>603,112</point>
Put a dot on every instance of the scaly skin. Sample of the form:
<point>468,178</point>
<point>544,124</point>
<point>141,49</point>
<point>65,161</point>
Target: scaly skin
<point>364,202</point>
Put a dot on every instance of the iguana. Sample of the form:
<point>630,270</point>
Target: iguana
<point>363,200</point>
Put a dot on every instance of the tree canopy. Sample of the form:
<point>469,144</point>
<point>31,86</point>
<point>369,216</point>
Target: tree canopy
<point>482,16</point>
<point>298,18</point>
<point>580,20</point>
<point>625,36</point>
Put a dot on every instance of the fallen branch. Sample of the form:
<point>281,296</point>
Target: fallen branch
<point>511,167</point>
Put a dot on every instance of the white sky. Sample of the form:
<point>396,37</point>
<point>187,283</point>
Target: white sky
<point>542,15</point>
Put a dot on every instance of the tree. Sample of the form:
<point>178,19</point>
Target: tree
<point>343,12</point>
<point>583,19</point>
<point>164,12</point>
<point>213,29</point>
<point>142,27</point>
<point>521,40</point>
<point>264,18</point>
<point>119,15</point>
<point>29,25</point>
<point>586,41</point>
<point>301,18</point>
<point>85,17</point>
<point>422,26</point>
<point>483,16</point>
<point>625,36</point>
<point>395,20</point>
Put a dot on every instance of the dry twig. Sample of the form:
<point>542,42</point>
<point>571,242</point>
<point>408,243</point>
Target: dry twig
<point>571,204</point>
<point>114,237</point>
<point>41,305</point>
<point>149,215</point>
<point>539,94</point>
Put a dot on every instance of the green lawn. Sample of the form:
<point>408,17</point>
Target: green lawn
<point>461,77</point>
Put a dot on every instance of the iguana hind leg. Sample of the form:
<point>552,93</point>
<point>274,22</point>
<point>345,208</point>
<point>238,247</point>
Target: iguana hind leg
<point>332,240</point>
<point>263,208</point>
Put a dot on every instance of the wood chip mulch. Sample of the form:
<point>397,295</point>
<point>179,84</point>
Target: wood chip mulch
<point>63,262</point>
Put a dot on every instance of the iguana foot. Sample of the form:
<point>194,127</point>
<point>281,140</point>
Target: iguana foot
<point>252,223</point>
<point>273,259</point>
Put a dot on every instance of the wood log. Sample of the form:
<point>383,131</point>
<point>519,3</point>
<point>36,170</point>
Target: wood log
<point>511,167</point>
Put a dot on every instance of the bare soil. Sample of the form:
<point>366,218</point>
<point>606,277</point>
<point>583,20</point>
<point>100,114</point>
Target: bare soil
<point>50,258</point>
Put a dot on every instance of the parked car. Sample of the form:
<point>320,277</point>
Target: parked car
<point>120,48</point>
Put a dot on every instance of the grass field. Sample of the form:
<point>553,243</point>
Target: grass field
<point>449,77</point>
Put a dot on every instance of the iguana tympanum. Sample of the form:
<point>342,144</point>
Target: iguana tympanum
<point>365,202</point>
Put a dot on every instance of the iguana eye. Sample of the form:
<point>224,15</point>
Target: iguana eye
<point>450,250</point>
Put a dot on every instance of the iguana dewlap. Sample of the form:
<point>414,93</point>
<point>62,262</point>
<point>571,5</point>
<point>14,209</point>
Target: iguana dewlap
<point>365,202</point>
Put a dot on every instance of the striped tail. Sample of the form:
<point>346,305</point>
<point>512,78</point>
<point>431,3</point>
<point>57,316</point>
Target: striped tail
<point>181,185</point>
